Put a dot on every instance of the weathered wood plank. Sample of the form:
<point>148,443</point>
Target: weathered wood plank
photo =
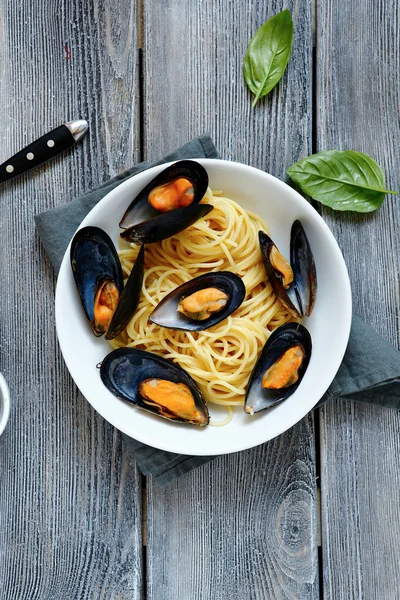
<point>70,501</point>
<point>244,526</point>
<point>357,100</point>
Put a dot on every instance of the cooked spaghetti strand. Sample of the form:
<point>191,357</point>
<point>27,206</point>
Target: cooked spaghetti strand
<point>219,359</point>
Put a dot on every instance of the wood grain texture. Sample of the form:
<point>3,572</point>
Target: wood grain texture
<point>244,526</point>
<point>194,82</point>
<point>70,502</point>
<point>357,107</point>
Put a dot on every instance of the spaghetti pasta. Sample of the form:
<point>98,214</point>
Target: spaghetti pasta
<point>221,358</point>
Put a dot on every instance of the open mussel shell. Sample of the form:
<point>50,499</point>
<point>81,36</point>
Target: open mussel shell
<point>94,260</point>
<point>304,270</point>
<point>96,266</point>
<point>287,297</point>
<point>125,369</point>
<point>299,298</point>
<point>129,298</point>
<point>166,224</point>
<point>141,210</point>
<point>282,339</point>
<point>166,314</point>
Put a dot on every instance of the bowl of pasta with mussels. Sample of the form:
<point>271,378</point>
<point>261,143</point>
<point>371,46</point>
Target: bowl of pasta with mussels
<point>203,307</point>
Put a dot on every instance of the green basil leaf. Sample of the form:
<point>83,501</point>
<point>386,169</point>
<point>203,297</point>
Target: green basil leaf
<point>267,54</point>
<point>343,180</point>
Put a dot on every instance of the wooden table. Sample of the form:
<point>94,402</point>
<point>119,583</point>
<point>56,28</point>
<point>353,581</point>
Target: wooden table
<point>313,513</point>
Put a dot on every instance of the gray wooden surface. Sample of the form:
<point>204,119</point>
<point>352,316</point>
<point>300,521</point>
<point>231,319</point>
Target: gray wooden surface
<point>246,526</point>
<point>70,495</point>
<point>357,107</point>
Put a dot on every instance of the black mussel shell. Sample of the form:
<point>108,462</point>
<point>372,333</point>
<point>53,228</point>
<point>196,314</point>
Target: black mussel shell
<point>280,340</point>
<point>299,298</point>
<point>287,297</point>
<point>123,370</point>
<point>129,298</point>
<point>166,224</point>
<point>303,265</point>
<point>166,314</point>
<point>141,210</point>
<point>93,259</point>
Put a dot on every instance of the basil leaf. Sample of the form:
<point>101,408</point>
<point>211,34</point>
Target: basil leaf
<point>268,54</point>
<point>343,180</point>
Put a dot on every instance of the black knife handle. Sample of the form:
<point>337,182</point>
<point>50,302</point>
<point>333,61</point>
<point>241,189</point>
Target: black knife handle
<point>48,146</point>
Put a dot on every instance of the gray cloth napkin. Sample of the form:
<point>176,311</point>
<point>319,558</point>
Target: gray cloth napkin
<point>369,373</point>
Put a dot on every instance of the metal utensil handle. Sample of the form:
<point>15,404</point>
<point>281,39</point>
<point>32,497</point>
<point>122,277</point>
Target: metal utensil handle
<point>48,146</point>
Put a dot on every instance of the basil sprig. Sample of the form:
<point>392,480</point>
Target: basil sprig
<point>267,54</point>
<point>343,180</point>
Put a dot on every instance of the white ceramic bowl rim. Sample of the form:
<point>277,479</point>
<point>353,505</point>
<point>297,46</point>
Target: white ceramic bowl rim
<point>150,429</point>
<point>4,403</point>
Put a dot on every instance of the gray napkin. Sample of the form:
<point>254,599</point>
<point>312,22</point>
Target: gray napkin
<point>370,371</point>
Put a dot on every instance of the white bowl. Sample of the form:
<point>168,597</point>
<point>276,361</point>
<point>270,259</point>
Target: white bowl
<point>279,205</point>
<point>4,403</point>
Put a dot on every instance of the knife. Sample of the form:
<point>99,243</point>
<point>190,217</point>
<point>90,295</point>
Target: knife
<point>46,147</point>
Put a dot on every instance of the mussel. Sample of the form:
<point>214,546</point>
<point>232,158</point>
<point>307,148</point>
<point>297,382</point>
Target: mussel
<point>295,284</point>
<point>107,303</point>
<point>168,204</point>
<point>280,367</point>
<point>155,384</point>
<point>201,302</point>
